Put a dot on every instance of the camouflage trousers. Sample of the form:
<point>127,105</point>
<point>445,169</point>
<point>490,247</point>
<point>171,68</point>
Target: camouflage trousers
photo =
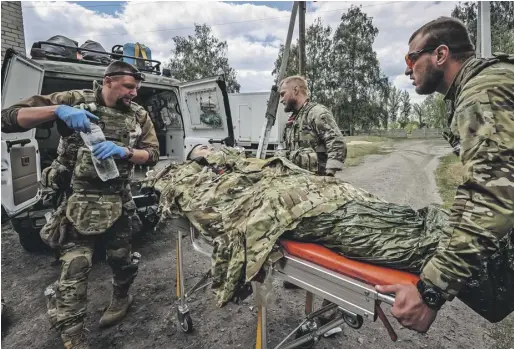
<point>398,237</point>
<point>70,300</point>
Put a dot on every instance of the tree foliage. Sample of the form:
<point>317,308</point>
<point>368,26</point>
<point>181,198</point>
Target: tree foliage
<point>318,52</point>
<point>202,55</point>
<point>502,23</point>
<point>431,112</point>
<point>343,72</point>
<point>394,103</point>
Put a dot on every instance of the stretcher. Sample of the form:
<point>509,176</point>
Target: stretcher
<point>346,284</point>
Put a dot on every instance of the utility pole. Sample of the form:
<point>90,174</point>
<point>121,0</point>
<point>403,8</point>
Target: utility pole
<point>301,39</point>
<point>483,47</point>
<point>271,111</point>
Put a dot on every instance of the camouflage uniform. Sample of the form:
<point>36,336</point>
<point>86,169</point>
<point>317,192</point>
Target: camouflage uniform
<point>481,115</point>
<point>244,205</point>
<point>10,122</point>
<point>92,209</point>
<point>313,140</point>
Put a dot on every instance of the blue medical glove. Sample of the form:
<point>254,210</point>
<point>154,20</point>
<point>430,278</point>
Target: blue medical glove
<point>77,119</point>
<point>107,148</point>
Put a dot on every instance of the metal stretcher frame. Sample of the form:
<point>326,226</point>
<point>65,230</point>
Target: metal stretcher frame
<point>356,300</point>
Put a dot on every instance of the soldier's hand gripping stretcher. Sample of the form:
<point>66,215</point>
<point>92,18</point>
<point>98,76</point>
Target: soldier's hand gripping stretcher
<point>246,208</point>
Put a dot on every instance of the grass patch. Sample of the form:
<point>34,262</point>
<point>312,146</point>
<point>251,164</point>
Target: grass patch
<point>356,152</point>
<point>449,175</point>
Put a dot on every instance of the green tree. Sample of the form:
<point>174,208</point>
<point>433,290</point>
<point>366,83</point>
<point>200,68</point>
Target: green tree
<point>405,109</point>
<point>202,55</point>
<point>502,23</point>
<point>356,71</point>
<point>318,52</point>
<point>319,58</point>
<point>394,103</point>
<point>419,114</point>
<point>434,111</point>
<point>293,66</point>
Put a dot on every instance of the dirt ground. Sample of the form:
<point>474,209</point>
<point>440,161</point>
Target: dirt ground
<point>404,176</point>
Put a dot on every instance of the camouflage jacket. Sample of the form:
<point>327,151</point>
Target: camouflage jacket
<point>10,122</point>
<point>482,116</point>
<point>246,209</point>
<point>313,140</point>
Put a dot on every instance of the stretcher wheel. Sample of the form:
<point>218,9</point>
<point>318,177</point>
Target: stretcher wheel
<point>185,322</point>
<point>353,321</point>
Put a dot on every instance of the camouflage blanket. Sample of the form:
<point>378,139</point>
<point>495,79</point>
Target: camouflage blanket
<point>245,205</point>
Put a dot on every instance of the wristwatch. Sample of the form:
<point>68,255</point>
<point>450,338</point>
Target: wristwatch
<point>430,295</point>
<point>130,153</point>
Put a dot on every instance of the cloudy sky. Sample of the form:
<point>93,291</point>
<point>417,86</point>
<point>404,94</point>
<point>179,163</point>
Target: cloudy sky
<point>253,30</point>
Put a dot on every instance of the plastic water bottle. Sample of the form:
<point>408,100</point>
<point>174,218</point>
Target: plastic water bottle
<point>106,169</point>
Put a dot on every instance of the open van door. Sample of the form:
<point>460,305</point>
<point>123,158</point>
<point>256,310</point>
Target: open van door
<point>21,170</point>
<point>206,113</point>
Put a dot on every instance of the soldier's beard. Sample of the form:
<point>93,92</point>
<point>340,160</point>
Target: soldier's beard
<point>290,106</point>
<point>433,78</point>
<point>121,105</point>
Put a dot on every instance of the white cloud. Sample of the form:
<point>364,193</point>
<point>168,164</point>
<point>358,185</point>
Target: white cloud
<point>253,42</point>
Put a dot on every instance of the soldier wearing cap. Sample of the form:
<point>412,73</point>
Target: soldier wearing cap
<point>93,209</point>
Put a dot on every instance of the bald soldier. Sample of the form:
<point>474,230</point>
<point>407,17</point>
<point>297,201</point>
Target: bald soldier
<point>313,141</point>
<point>477,263</point>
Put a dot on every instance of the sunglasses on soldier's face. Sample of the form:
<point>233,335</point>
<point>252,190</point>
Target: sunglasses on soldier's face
<point>412,57</point>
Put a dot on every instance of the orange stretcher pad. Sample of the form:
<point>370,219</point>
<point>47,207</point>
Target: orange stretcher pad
<point>348,283</point>
<point>367,273</point>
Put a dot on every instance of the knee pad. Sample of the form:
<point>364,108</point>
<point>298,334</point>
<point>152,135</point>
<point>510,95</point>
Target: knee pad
<point>78,267</point>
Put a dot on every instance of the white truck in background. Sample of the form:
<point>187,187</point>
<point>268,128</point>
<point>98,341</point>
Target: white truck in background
<point>248,118</point>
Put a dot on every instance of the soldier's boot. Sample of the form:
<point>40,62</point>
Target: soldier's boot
<point>118,308</point>
<point>74,337</point>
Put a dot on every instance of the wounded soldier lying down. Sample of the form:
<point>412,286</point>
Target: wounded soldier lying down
<point>245,205</point>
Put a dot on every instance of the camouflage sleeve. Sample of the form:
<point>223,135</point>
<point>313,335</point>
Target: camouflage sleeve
<point>148,140</point>
<point>10,121</point>
<point>483,210</point>
<point>10,115</point>
<point>329,133</point>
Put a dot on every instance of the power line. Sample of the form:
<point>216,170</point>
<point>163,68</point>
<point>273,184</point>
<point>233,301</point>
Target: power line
<point>238,22</point>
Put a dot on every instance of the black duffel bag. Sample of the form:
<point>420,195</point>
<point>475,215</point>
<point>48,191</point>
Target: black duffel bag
<point>94,56</point>
<point>61,51</point>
